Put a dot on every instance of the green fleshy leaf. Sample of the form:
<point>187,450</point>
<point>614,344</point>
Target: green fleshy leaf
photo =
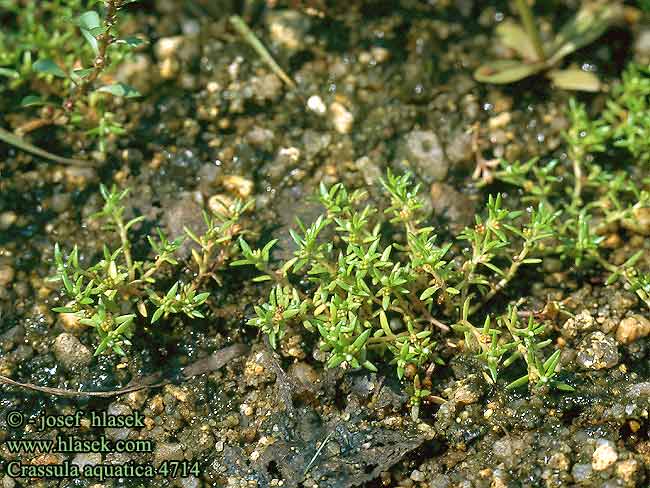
<point>120,90</point>
<point>49,67</point>
<point>88,23</point>
<point>505,71</point>
<point>514,36</point>
<point>32,101</point>
<point>261,278</point>
<point>591,21</point>
<point>130,41</point>
<point>575,79</point>
<point>156,315</point>
<point>9,73</point>
<point>519,382</point>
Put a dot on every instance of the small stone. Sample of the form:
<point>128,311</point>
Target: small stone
<point>7,219</point>
<point>304,373</point>
<point>7,275</point>
<point>8,482</point>
<point>239,185</point>
<point>370,170</point>
<point>288,156</point>
<point>168,68</point>
<point>365,57</point>
<point>459,149</point>
<point>604,456</point>
<point>70,352</point>
<point>639,389</point>
<point>498,481</point>
<point>581,323</point>
<point>316,105</point>
<point>118,433</point>
<point>423,151</point>
<point>189,482</point>
<point>136,399</point>
<point>642,45</point>
<point>288,28</point>
<point>181,394</point>
<point>71,322</point>
<point>168,451</point>
<point>380,54</point>
<point>79,177</point>
<point>632,328</point>
<point>612,241</point>
<point>559,461</point>
<point>87,459</point>
<point>449,203</point>
<point>417,475</point>
<point>342,119</point>
<point>581,472</point>
<point>499,121</point>
<point>260,137</point>
<point>266,88</point>
<point>467,394</point>
<point>60,202</point>
<point>628,471</point>
<point>167,47</point>
<point>597,351</point>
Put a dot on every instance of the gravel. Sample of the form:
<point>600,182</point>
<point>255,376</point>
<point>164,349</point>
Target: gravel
<point>597,351</point>
<point>70,352</point>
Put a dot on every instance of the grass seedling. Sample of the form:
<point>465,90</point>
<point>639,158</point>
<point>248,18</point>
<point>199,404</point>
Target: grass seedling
<point>535,56</point>
<point>242,28</point>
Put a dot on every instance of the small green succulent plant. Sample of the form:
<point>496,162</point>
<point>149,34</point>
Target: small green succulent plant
<point>117,292</point>
<point>372,299</point>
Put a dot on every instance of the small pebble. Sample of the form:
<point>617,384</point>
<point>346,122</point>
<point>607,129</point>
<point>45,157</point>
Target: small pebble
<point>604,456</point>
<point>70,352</point>
<point>87,459</point>
<point>7,275</point>
<point>342,119</point>
<point>167,47</point>
<point>597,351</point>
<point>238,185</point>
<point>7,219</point>
<point>168,451</point>
<point>632,328</point>
<point>417,475</point>
<point>316,105</point>
<point>424,152</point>
<point>628,470</point>
<point>71,323</point>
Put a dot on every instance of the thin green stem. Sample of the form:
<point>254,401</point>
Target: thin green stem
<point>510,274</point>
<point>104,40</point>
<point>126,247</point>
<point>242,28</point>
